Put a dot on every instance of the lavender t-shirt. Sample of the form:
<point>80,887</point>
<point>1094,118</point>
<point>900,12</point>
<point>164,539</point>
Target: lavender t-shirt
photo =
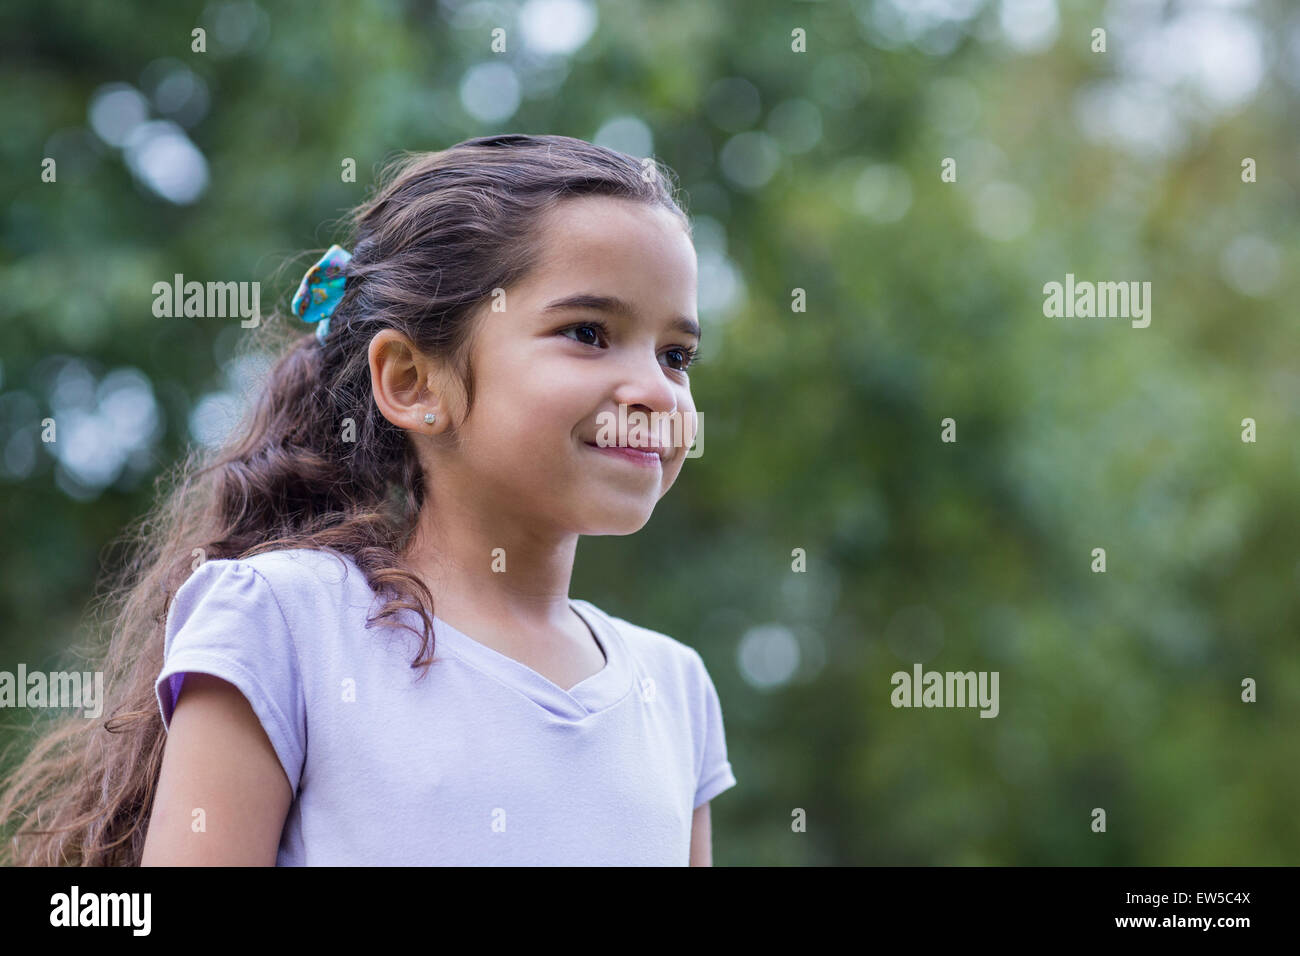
<point>481,762</point>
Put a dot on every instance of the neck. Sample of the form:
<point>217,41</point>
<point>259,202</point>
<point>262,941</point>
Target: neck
<point>499,572</point>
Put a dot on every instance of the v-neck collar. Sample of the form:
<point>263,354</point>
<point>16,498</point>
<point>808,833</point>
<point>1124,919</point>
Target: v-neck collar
<point>587,697</point>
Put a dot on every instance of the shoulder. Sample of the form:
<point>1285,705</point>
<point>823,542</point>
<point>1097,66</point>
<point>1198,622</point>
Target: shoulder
<point>660,653</point>
<point>298,585</point>
<point>252,614</point>
<point>304,567</point>
<point>680,680</point>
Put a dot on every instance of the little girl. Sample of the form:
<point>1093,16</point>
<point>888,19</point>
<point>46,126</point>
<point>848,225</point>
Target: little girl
<point>353,643</point>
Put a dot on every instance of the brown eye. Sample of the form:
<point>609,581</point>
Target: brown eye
<point>597,327</point>
<point>687,357</point>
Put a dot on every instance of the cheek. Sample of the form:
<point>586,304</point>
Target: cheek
<point>688,424</point>
<point>670,476</point>
<point>527,421</point>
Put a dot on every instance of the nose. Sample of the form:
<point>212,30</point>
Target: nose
<point>644,387</point>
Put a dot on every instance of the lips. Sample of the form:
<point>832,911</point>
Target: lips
<point>646,449</point>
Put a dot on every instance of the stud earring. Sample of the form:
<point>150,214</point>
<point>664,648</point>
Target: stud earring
<point>429,418</point>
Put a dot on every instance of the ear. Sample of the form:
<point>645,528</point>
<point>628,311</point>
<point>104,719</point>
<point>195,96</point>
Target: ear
<point>406,383</point>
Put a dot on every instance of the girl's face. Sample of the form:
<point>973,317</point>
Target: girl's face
<point>554,370</point>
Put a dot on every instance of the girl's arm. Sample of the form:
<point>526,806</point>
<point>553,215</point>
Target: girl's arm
<point>701,838</point>
<point>217,759</point>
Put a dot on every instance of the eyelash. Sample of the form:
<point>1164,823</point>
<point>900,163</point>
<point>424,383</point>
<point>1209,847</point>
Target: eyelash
<point>689,351</point>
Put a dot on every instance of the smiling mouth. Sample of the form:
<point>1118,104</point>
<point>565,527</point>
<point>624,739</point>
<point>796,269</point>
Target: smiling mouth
<point>639,456</point>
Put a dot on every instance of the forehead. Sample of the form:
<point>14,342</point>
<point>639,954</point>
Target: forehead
<point>617,247</point>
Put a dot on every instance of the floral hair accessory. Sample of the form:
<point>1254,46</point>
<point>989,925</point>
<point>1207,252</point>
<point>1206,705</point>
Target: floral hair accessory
<point>321,289</point>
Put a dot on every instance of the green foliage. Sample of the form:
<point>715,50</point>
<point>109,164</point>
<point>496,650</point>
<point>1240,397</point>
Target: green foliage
<point>822,428</point>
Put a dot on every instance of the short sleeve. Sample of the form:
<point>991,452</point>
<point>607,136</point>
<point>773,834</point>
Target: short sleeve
<point>715,773</point>
<point>225,621</point>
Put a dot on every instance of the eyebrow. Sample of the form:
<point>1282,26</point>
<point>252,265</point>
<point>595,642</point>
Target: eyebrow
<point>617,306</point>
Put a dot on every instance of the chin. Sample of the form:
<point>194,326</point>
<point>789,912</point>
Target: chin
<point>626,520</point>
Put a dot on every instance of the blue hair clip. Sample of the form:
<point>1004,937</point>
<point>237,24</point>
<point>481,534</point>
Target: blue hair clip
<point>321,289</point>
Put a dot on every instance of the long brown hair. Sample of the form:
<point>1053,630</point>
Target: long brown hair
<point>441,231</point>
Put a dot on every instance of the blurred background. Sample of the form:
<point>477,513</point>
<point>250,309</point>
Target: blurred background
<point>809,140</point>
